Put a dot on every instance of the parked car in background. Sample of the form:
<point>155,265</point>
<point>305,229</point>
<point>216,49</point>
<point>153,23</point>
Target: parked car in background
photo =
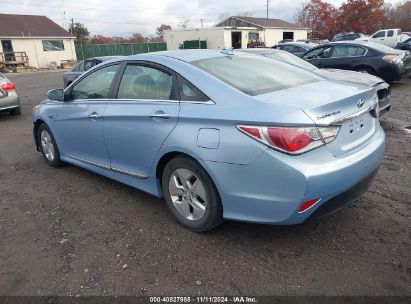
<point>9,100</point>
<point>218,134</point>
<point>285,40</point>
<point>83,66</point>
<point>296,48</point>
<point>405,45</point>
<point>390,37</point>
<point>346,36</point>
<point>382,88</point>
<point>366,57</point>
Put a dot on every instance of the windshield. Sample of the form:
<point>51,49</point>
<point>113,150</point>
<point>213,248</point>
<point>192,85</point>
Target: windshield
<point>255,75</point>
<point>292,59</point>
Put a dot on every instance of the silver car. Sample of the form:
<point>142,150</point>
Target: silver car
<point>9,100</point>
<point>83,66</point>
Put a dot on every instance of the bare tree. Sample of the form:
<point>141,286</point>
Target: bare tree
<point>222,17</point>
<point>184,23</point>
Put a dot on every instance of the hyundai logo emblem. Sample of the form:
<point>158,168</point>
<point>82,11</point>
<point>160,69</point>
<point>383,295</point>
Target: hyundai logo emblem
<point>360,103</point>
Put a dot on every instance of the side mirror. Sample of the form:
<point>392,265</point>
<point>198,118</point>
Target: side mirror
<point>56,95</point>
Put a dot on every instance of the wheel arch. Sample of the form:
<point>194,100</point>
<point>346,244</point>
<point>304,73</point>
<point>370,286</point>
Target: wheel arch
<point>364,66</point>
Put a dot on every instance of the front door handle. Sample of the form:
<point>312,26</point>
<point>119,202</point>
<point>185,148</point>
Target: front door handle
<point>160,114</point>
<point>94,115</point>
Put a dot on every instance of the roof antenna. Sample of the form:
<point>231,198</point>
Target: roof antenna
<point>228,51</point>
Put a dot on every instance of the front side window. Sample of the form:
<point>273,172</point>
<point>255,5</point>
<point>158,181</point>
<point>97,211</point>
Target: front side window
<point>322,52</point>
<point>95,85</point>
<point>142,82</point>
<point>379,34</point>
<point>255,75</point>
<point>53,45</point>
<point>88,64</point>
<point>79,67</point>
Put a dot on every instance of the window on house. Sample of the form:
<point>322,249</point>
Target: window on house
<point>53,45</point>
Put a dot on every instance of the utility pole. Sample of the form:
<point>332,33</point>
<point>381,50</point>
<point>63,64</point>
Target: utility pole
<point>268,2</point>
<point>72,26</point>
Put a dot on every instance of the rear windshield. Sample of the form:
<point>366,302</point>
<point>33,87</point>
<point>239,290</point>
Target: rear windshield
<point>380,47</point>
<point>290,58</point>
<point>256,75</point>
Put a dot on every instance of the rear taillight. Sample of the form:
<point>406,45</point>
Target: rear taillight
<point>392,58</point>
<point>291,140</point>
<point>8,86</point>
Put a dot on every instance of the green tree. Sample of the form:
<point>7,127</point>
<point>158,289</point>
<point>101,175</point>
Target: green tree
<point>80,31</point>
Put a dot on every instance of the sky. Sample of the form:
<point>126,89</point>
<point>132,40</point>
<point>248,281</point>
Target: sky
<point>124,17</point>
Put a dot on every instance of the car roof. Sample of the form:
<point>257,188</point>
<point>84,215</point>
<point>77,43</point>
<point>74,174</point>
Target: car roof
<point>184,55</point>
<point>260,51</point>
<point>105,58</point>
<point>302,44</point>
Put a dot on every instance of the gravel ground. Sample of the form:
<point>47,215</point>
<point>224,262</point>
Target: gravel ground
<point>67,231</point>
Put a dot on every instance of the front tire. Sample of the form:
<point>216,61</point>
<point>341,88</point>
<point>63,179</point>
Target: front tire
<point>191,195</point>
<point>48,146</point>
<point>16,111</point>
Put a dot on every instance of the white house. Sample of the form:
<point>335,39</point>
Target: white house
<point>238,32</point>
<point>43,40</point>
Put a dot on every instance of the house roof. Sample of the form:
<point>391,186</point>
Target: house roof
<point>260,22</point>
<point>30,26</point>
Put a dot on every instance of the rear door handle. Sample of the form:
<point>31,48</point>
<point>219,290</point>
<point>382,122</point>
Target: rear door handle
<point>94,115</point>
<point>160,114</point>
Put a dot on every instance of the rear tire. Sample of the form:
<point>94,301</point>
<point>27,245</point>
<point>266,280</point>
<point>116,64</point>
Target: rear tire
<point>48,146</point>
<point>191,195</point>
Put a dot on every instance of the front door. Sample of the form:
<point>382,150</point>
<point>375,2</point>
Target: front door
<point>8,50</point>
<point>137,123</point>
<point>320,57</point>
<point>78,122</point>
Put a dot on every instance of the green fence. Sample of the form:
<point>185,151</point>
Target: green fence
<point>194,44</point>
<point>84,51</point>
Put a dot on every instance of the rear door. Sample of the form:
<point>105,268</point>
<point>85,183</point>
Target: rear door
<point>346,56</point>
<point>139,119</point>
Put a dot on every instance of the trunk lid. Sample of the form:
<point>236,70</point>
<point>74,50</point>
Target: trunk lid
<point>341,103</point>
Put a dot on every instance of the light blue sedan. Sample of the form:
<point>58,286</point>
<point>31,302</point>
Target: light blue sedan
<point>218,135</point>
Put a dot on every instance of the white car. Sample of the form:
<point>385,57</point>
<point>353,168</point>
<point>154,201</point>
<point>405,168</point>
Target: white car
<point>388,37</point>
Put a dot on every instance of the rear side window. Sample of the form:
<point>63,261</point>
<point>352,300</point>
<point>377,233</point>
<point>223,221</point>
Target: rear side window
<point>390,33</point>
<point>322,52</point>
<point>255,75</point>
<point>188,92</point>
<point>143,82</point>
<point>95,85</point>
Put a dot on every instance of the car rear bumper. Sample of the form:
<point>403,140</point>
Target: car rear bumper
<point>272,189</point>
<point>9,102</point>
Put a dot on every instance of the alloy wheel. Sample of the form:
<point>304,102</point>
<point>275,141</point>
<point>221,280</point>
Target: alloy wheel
<point>47,145</point>
<point>188,194</point>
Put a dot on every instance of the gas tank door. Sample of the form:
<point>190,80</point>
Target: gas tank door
<point>208,138</point>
